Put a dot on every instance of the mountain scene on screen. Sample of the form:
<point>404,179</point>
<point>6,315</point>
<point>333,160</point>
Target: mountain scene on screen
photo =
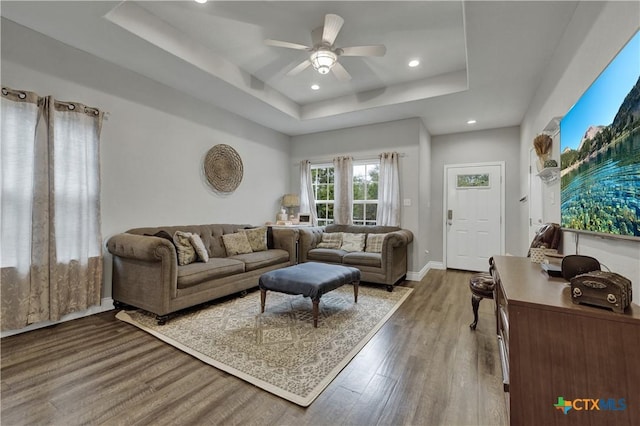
<point>600,179</point>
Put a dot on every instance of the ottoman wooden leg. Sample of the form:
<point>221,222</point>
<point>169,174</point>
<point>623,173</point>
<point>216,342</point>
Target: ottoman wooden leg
<point>355,291</point>
<point>315,313</point>
<point>263,298</point>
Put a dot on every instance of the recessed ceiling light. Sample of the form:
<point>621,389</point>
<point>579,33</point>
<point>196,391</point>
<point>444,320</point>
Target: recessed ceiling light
<point>201,1</point>
<point>414,63</point>
<point>471,122</point>
<point>315,87</point>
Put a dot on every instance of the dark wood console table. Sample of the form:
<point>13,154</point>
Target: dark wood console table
<point>551,348</point>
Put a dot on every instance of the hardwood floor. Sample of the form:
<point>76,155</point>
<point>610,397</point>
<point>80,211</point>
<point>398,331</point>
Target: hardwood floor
<point>424,367</point>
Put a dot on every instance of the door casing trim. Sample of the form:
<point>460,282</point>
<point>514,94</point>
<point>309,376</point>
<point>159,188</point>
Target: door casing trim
<point>445,205</point>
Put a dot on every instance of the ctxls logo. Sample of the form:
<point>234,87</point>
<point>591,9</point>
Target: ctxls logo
<point>590,404</point>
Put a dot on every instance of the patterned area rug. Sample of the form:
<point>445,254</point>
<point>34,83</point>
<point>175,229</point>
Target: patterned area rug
<point>279,351</point>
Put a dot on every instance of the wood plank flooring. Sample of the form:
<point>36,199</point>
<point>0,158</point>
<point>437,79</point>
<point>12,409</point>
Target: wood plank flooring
<point>424,367</point>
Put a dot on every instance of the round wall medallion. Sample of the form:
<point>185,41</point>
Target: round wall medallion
<point>223,168</point>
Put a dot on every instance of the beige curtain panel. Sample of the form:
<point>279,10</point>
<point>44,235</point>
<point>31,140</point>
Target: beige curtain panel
<point>50,247</point>
<point>343,191</point>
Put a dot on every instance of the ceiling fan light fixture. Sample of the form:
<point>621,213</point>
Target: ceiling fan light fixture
<point>323,60</point>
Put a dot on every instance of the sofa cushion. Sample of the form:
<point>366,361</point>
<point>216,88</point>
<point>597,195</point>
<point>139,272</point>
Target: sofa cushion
<point>261,259</point>
<point>257,238</point>
<point>374,243</point>
<point>353,242</point>
<point>199,247</point>
<point>185,251</point>
<point>330,240</point>
<point>326,255</point>
<point>236,243</point>
<point>216,267</point>
<point>363,259</point>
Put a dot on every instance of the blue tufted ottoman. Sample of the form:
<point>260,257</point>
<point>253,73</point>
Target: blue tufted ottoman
<point>309,279</point>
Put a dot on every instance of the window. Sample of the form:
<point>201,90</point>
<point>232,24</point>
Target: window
<point>322,182</point>
<point>365,192</point>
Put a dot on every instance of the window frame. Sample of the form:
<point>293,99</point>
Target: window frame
<point>328,217</point>
<point>366,202</point>
<point>329,202</point>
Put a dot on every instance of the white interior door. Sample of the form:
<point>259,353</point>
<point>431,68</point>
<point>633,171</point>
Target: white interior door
<point>473,211</point>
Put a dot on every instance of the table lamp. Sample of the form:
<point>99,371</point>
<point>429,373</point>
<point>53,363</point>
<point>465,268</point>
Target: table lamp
<point>290,201</point>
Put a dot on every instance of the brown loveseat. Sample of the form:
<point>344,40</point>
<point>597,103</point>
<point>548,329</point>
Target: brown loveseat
<point>385,267</point>
<point>146,273</point>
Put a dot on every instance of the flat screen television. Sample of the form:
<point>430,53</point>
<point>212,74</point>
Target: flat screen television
<point>600,152</point>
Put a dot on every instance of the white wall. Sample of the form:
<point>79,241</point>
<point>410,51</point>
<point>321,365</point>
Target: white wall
<point>154,141</point>
<point>476,147</point>
<point>403,136</point>
<point>595,35</point>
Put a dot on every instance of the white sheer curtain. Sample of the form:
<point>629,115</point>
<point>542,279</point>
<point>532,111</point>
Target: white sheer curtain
<point>51,247</point>
<point>21,303</point>
<point>343,191</point>
<point>389,190</point>
<point>307,197</point>
<point>76,255</point>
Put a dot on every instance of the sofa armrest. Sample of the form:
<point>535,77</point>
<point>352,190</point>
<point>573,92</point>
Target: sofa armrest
<point>394,254</point>
<point>309,239</point>
<point>142,247</point>
<point>145,271</point>
<point>398,238</point>
<point>287,239</point>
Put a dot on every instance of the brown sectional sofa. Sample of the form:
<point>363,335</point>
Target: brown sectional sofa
<point>146,273</point>
<point>387,267</point>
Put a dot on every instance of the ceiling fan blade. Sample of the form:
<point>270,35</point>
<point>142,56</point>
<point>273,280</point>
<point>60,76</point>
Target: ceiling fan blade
<point>340,73</point>
<point>376,50</point>
<point>332,25</point>
<point>288,45</point>
<point>316,36</point>
<point>300,67</point>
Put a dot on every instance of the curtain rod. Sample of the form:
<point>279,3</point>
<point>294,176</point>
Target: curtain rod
<point>330,160</point>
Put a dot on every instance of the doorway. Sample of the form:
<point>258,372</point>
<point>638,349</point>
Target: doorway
<point>473,214</point>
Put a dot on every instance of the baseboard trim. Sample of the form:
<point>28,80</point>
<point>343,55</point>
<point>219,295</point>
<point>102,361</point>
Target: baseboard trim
<point>418,276</point>
<point>106,304</point>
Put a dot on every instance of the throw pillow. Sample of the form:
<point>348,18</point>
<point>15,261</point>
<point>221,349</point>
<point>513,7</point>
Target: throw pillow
<point>331,240</point>
<point>236,243</point>
<point>186,252</point>
<point>199,247</point>
<point>353,242</point>
<point>257,238</point>
<point>374,243</point>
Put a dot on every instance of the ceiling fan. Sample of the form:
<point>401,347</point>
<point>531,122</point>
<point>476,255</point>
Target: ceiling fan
<point>324,54</point>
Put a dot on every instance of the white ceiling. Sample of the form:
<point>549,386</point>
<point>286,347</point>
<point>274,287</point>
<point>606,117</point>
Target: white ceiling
<point>479,60</point>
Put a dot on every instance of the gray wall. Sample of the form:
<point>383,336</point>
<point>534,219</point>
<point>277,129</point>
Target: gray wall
<point>405,136</point>
<point>476,147</point>
<point>425,176</point>
<point>154,142</point>
<point>595,35</point>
